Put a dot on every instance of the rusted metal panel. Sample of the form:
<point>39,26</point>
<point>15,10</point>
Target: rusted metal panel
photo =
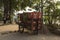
<point>31,20</point>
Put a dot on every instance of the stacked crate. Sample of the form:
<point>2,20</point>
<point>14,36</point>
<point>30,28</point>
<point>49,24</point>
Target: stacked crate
<point>39,20</point>
<point>34,21</point>
<point>31,20</point>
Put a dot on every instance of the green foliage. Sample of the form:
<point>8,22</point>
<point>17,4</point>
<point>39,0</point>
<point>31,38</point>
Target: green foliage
<point>25,3</point>
<point>14,4</point>
<point>58,3</point>
<point>1,3</point>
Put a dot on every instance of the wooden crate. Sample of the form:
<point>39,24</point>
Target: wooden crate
<point>31,20</point>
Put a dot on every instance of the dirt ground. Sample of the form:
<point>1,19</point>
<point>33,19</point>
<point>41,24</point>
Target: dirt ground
<point>10,27</point>
<point>6,35</point>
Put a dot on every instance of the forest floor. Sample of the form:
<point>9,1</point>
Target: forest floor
<point>9,32</point>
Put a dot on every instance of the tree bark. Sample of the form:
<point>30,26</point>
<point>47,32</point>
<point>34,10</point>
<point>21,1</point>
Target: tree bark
<point>10,10</point>
<point>5,10</point>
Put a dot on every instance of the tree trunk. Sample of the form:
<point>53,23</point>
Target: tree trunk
<point>5,10</point>
<point>10,10</point>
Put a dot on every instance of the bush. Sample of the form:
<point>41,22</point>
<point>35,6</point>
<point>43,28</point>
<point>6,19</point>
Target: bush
<point>53,29</point>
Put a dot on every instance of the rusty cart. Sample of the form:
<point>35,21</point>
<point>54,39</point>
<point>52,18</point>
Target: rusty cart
<point>30,20</point>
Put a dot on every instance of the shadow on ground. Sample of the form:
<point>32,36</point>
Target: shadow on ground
<point>25,36</point>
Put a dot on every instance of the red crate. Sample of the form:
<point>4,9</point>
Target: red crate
<point>33,20</point>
